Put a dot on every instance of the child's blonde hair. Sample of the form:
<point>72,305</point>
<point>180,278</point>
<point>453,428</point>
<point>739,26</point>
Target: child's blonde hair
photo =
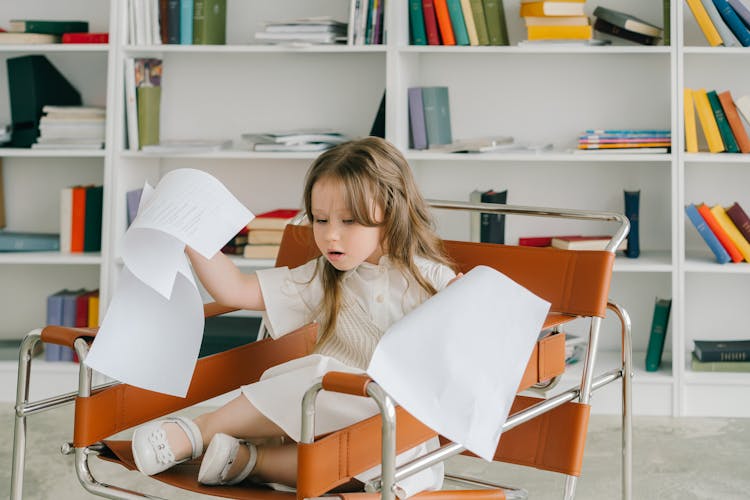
<point>372,169</point>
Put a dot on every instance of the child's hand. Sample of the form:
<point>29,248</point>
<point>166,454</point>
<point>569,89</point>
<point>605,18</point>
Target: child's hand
<point>457,277</point>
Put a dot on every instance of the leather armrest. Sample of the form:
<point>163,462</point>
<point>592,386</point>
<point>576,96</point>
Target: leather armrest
<point>348,383</point>
<point>66,336</point>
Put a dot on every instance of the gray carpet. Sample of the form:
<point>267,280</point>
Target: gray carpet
<point>686,458</point>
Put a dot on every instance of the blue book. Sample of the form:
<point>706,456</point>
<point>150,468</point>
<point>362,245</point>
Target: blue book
<point>722,257</point>
<point>437,115</point>
<point>742,10</point>
<point>632,202</point>
<point>52,352</point>
<point>733,21</point>
<point>457,22</point>
<point>416,119</point>
<point>69,306</point>
<point>186,22</point>
<point>22,241</point>
<point>416,21</point>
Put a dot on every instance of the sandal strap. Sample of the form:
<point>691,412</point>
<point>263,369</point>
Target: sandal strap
<point>250,463</point>
<point>193,433</point>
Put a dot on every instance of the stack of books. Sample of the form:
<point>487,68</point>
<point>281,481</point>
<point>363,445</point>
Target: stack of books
<point>453,22</point>
<point>612,25</point>
<point>264,233</point>
<point>726,231</point>
<point>625,141</point>
<point>570,242</point>
<point>555,20</point>
<point>721,356</point>
<point>295,140</point>
<point>720,117</point>
<point>723,22</point>
<point>71,127</point>
<point>36,31</point>
<point>310,30</point>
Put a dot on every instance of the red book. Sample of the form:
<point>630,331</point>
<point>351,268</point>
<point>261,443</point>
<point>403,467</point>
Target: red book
<point>85,38</point>
<point>275,219</point>
<point>740,219</point>
<point>78,219</point>
<point>444,22</point>
<point>539,241</point>
<point>722,235</point>
<point>430,22</point>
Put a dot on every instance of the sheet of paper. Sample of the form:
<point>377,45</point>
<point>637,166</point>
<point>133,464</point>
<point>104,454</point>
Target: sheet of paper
<point>456,361</point>
<point>151,333</point>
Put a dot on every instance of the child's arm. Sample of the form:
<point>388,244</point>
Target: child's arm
<point>226,283</point>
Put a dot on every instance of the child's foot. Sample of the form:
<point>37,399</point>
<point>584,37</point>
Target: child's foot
<point>151,446</point>
<point>228,460</point>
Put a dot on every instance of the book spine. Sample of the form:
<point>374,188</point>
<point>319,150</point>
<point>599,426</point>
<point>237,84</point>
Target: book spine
<point>52,352</point>
<point>658,334</point>
<point>740,219</point>
<point>471,28</point>
<point>723,237</point>
<point>477,10</point>
<point>85,38</point>
<point>437,116</point>
<point>722,257</point>
<point>742,11</point>
<point>727,36</point>
<point>497,221</point>
<point>416,22</point>
<point>605,27</point>
<point>708,121</point>
<point>416,118</point>
<point>149,102</point>
<point>726,353</point>
<point>719,366</point>
<point>632,206</point>
<point>667,20</point>
<point>733,21</point>
<point>735,122</point>
<point>730,145</point>
<point>497,30</point>
<point>704,22</point>
<point>186,22</point>
<point>691,131</point>
<point>55,27</point>
<point>457,22</point>
<point>173,22</point>
<point>444,22</point>
<point>734,233</point>
<point>430,22</point>
<point>78,218</point>
<point>92,234</point>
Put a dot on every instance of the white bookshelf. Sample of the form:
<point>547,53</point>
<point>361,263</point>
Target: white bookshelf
<point>535,94</point>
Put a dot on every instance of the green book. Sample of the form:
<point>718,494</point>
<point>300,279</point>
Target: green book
<point>92,225</point>
<point>497,29</point>
<point>416,21</point>
<point>47,27</point>
<point>718,366</point>
<point>727,137</point>
<point>666,4</point>
<point>437,115</point>
<point>209,22</point>
<point>658,334</point>
<point>477,10</point>
<point>149,103</point>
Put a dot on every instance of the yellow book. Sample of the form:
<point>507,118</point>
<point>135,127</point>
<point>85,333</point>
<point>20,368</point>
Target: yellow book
<point>708,122</point>
<point>552,8</point>
<point>471,27</point>
<point>540,32</point>
<point>734,234</point>
<point>691,131</point>
<point>704,23</point>
<point>93,311</point>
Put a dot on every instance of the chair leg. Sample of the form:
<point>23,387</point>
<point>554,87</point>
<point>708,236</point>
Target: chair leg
<point>627,397</point>
<point>94,487</point>
<point>570,487</point>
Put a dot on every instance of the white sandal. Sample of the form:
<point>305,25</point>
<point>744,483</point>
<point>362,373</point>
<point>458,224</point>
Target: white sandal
<point>151,450</point>
<point>220,455</point>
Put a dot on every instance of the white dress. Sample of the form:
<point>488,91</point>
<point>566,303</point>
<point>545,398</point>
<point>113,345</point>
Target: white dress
<point>374,297</point>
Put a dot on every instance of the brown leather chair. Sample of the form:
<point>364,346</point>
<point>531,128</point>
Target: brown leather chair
<point>547,433</point>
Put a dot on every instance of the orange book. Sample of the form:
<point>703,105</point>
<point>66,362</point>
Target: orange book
<point>722,235</point>
<point>78,219</point>
<point>735,122</point>
<point>444,22</point>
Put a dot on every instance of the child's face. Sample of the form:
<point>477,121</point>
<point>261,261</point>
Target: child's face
<point>345,243</point>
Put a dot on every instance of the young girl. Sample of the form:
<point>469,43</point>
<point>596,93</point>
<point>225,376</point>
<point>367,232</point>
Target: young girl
<point>380,259</point>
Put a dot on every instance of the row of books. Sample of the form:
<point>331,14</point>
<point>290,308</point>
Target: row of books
<point>71,127</point>
<point>721,119</point>
<point>261,238</point>
<point>626,140</point>
<point>185,22</point>
<point>726,231</point>
<point>81,218</point>
<point>723,22</point>
<point>366,22</point>
<point>457,22</point>
<point>40,31</point>
<point>75,308</point>
<point>721,355</point>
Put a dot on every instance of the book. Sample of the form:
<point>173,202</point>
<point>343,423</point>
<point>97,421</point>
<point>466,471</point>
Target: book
<point>730,145</point>
<point>148,98</point>
<point>632,208</point>
<point>444,22</point>
<point>260,251</point>
<point>264,236</point>
<point>24,241</point>
<point>743,106</point>
<point>556,21</point>
<point>417,33</point>
<point>78,219</point>
<point>722,350</point>
<point>94,311</point>
<point>735,122</point>
<point>471,28</point>
<point>480,21</point>
<point>740,218</point>
<point>430,22</point>
<point>667,20</point>
<point>728,38</point>
<point>273,219</point>
<point>437,117</point>
<point>132,201</point>
<point>47,27</point>
<point>734,234</point>
<point>457,22</point>
<point>378,123</point>
<point>492,226</point>
<point>541,32</point>
<point>300,136</point>
<point>722,257</point>
<point>607,28</point>
<point>541,241</point>
<point>27,38</point>
<point>627,21</point>
<point>173,21</point>
<point>742,8</point>
<point>721,234</point>
<point>497,28</point>
<point>418,132</point>
<point>704,23</point>
<point>657,337</point>
<point>188,146</point>
<point>691,131</point>
<point>718,366</point>
<point>594,242</point>
<point>209,22</point>
<point>52,352</point>
<point>708,121</point>
<point>66,218</point>
<point>478,145</point>
<point>186,22</point>
<point>85,38</point>
<point>552,8</point>
<point>733,22</point>
<point>92,231</point>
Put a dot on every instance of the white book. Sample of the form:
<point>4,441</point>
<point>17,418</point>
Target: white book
<point>154,28</point>
<point>187,146</point>
<point>66,217</point>
<point>315,146</point>
<point>74,111</point>
<point>27,38</point>
<point>353,10</point>
<point>131,108</point>
<point>743,105</point>
<point>299,37</point>
<point>296,137</point>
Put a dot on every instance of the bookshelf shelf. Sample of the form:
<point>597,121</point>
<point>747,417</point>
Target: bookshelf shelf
<point>50,258</point>
<point>533,49</point>
<point>55,47</point>
<point>159,50</point>
<point>715,158</point>
<point>647,262</point>
<point>224,155</point>
<point>708,264</point>
<point>51,153</point>
<point>541,157</point>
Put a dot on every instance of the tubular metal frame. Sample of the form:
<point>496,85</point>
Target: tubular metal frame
<point>390,473</point>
